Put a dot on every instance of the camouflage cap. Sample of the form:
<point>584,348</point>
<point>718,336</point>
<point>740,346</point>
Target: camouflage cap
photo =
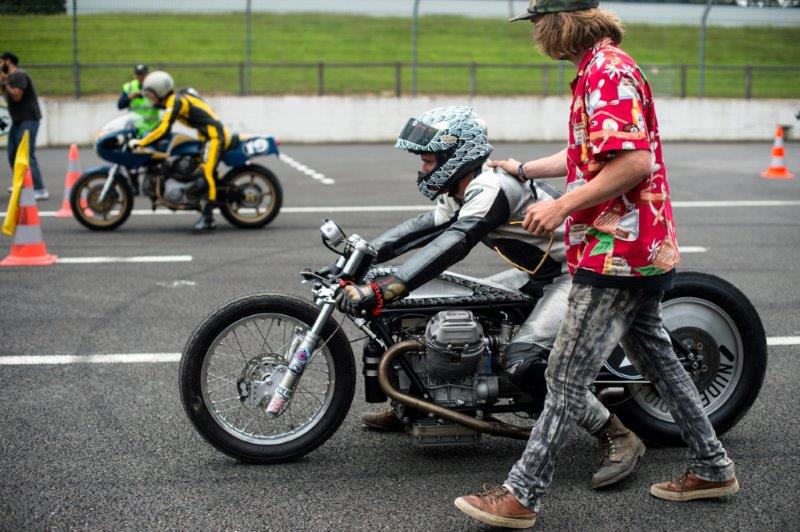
<point>540,7</point>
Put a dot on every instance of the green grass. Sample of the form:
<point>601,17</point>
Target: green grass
<point>165,39</point>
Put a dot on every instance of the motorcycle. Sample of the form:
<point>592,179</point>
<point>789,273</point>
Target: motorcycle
<point>268,377</point>
<point>249,194</point>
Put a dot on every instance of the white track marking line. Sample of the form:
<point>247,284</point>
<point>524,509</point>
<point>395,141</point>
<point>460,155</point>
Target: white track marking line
<point>147,358</point>
<point>783,340</point>
<point>303,169</point>
<point>407,208</point>
<point>129,358</point>
<point>692,249</point>
<point>113,260</point>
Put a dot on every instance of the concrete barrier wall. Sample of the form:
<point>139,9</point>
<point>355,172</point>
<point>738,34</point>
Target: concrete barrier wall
<point>376,119</point>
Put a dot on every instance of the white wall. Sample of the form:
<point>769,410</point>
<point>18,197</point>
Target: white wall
<point>373,119</point>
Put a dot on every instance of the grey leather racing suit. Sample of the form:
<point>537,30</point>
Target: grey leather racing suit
<point>492,202</point>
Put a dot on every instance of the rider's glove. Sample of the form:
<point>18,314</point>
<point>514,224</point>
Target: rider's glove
<point>133,144</point>
<point>371,297</point>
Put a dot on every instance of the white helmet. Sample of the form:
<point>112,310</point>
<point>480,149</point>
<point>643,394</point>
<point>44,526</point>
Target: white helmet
<point>159,82</point>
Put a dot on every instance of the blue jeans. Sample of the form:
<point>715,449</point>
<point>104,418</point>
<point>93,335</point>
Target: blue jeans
<point>15,135</point>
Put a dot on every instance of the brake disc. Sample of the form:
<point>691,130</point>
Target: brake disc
<point>94,203</point>
<point>259,378</point>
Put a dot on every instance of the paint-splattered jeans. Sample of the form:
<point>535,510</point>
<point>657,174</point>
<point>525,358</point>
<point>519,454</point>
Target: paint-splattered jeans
<point>597,320</point>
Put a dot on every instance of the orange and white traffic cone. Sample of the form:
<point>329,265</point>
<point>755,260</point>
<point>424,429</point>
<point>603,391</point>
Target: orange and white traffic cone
<point>777,167</point>
<point>28,247</point>
<point>72,175</point>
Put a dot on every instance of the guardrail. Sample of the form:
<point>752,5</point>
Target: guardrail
<point>321,78</point>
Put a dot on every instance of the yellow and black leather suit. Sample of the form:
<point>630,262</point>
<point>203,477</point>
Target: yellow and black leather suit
<point>192,111</point>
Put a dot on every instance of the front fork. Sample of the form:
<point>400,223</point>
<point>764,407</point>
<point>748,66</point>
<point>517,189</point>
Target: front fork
<point>300,359</point>
<point>109,182</point>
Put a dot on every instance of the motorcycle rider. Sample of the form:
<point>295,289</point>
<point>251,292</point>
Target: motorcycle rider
<point>187,107</point>
<point>477,203</point>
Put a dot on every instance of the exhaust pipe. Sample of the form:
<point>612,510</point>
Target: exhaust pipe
<point>494,428</point>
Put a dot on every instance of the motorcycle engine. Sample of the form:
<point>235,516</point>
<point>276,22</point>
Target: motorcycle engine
<point>182,167</point>
<point>177,192</point>
<point>454,345</point>
<point>455,364</point>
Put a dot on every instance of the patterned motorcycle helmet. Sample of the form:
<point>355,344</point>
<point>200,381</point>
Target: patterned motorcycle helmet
<point>457,135</point>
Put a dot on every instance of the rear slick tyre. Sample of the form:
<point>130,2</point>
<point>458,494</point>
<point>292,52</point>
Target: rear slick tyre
<point>223,343</point>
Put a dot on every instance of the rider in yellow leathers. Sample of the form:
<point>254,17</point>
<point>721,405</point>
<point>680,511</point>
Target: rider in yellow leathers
<point>187,107</point>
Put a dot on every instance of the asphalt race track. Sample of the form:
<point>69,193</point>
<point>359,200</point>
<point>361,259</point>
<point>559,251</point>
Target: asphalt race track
<point>107,445</point>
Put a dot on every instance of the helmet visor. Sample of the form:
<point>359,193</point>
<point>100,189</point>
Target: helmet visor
<point>418,133</point>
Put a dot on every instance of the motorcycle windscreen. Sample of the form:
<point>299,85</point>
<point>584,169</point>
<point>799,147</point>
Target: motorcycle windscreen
<point>418,133</point>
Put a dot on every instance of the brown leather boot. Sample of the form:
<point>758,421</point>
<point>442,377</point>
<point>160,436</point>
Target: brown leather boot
<point>621,450</point>
<point>496,507</point>
<point>688,487</point>
<point>385,420</point>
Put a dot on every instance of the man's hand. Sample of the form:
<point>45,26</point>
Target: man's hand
<point>544,217</point>
<point>509,165</point>
<point>133,95</point>
<point>134,144</point>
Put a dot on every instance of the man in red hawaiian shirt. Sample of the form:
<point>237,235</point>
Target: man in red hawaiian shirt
<point>622,252</point>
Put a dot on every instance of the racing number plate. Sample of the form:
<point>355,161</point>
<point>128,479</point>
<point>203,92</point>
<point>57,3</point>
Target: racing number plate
<point>256,146</point>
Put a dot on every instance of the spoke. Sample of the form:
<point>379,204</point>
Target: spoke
<point>232,349</point>
<point>237,398</point>
<point>306,390</point>
<point>221,387</point>
<point>227,355</point>
<point>263,336</point>
<point>310,403</point>
<point>217,378</point>
<point>291,419</point>
<point>228,410</point>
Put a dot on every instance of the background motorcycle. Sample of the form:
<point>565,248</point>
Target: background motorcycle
<point>269,377</point>
<point>102,199</point>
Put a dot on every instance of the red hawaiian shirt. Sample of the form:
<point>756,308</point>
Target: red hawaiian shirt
<point>612,110</point>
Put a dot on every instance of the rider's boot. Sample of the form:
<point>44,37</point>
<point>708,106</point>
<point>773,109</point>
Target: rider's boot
<point>385,420</point>
<point>206,221</point>
<point>620,450</point>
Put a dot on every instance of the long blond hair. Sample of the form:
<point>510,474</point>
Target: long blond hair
<point>560,35</point>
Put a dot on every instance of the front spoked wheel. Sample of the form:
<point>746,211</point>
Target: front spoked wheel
<point>96,214</point>
<point>235,360</point>
<point>719,326</point>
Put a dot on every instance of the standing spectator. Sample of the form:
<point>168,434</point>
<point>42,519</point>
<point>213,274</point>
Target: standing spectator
<point>23,106</point>
<point>622,252</point>
<point>133,99</point>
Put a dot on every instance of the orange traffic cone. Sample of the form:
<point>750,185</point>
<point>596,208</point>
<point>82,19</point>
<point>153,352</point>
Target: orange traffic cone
<point>28,247</point>
<point>72,175</point>
<point>777,167</point>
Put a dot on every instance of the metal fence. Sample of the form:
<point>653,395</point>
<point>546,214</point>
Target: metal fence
<point>89,47</point>
<point>394,78</point>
